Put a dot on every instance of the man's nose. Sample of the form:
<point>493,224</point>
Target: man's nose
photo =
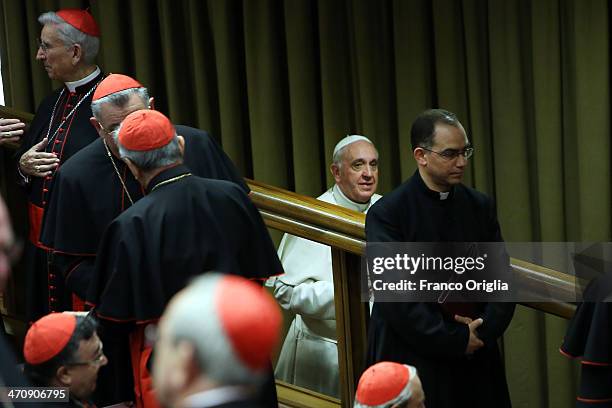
<point>461,161</point>
<point>40,55</point>
<point>367,171</point>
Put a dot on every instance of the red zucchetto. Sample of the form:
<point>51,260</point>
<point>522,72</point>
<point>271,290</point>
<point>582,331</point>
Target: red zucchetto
<point>250,320</point>
<point>47,337</point>
<point>145,130</point>
<point>115,83</point>
<point>82,20</point>
<point>384,384</point>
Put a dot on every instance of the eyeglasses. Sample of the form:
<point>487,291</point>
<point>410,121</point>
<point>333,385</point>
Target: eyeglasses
<point>452,154</point>
<point>45,46</point>
<point>95,362</point>
<point>110,132</point>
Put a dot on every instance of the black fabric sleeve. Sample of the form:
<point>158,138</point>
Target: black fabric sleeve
<point>259,255</point>
<point>496,319</point>
<point>423,326</point>
<point>76,270</point>
<point>110,289</point>
<point>380,226</point>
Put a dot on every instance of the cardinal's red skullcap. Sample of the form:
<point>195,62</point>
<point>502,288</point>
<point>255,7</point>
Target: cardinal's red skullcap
<point>250,318</point>
<point>114,83</point>
<point>48,336</point>
<point>382,383</point>
<point>82,20</point>
<point>145,130</point>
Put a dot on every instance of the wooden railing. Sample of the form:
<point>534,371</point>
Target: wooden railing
<point>8,112</point>
<point>343,230</point>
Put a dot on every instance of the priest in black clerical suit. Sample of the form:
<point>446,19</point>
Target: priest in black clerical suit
<point>453,346</point>
<point>68,46</point>
<point>183,227</point>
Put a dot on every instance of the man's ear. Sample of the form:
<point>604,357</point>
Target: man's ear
<point>152,103</point>
<point>94,122</point>
<point>335,171</point>
<point>185,355</point>
<point>135,170</point>
<point>77,53</point>
<point>419,156</point>
<point>181,143</point>
<point>63,376</point>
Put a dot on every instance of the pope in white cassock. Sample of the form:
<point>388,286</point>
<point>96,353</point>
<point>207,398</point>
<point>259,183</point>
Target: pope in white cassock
<point>309,356</point>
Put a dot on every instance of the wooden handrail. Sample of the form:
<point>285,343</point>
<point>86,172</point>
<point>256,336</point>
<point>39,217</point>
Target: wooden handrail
<point>8,112</point>
<point>308,210</point>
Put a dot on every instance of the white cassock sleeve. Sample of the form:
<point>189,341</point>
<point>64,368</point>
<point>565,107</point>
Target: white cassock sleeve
<point>307,286</point>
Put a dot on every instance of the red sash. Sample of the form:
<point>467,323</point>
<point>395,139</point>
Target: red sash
<point>78,304</point>
<point>36,214</point>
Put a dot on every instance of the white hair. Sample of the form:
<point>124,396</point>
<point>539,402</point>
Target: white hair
<point>69,35</point>
<point>119,99</point>
<point>152,159</point>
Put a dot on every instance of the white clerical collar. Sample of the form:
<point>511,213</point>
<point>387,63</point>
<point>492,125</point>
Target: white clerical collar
<point>72,86</point>
<point>444,195</point>
<point>217,396</point>
<point>346,202</point>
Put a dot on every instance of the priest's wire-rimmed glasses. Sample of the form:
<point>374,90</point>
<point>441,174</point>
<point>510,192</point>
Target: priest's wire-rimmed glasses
<point>452,154</point>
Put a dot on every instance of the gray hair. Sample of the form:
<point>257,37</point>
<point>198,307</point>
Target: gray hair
<point>70,35</point>
<point>151,159</point>
<point>120,99</point>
